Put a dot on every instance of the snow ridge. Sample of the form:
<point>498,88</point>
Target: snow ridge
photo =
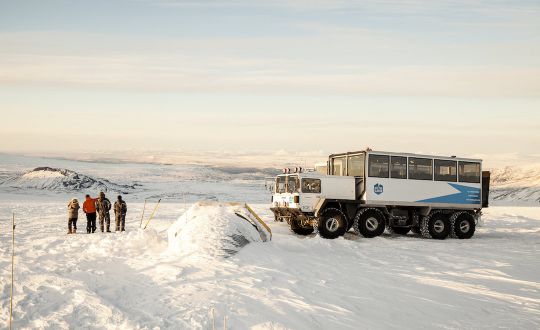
<point>63,180</point>
<point>516,183</point>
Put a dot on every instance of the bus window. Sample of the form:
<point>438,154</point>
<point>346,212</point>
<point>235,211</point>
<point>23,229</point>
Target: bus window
<point>338,166</point>
<point>311,186</point>
<point>469,172</point>
<point>355,165</point>
<point>378,166</point>
<point>280,184</point>
<point>398,168</point>
<point>445,170</point>
<point>420,168</point>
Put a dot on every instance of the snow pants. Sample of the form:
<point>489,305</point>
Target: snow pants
<point>120,221</point>
<point>107,219</point>
<point>72,224</point>
<point>90,222</point>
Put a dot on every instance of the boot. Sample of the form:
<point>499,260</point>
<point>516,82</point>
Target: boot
<point>69,231</point>
<point>74,231</point>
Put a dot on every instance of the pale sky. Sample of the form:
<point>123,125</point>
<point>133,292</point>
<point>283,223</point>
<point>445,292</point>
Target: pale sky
<point>320,76</point>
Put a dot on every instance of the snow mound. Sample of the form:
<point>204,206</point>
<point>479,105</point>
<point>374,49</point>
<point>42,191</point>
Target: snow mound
<point>57,179</point>
<point>212,229</point>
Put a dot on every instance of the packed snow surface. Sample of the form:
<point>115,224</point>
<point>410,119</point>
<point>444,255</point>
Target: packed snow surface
<point>211,229</point>
<point>133,280</point>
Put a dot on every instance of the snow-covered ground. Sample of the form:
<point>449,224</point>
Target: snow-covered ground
<point>132,281</point>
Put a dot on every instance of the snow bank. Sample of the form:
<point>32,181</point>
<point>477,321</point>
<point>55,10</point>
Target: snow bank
<point>211,229</point>
<point>132,243</point>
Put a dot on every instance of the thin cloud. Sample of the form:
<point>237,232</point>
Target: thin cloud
<point>235,75</point>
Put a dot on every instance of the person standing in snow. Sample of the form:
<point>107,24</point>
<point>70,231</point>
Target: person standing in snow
<point>103,206</point>
<point>73,215</point>
<point>120,210</point>
<point>89,208</point>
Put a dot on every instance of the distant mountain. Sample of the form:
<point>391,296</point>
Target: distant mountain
<point>63,180</point>
<point>516,183</point>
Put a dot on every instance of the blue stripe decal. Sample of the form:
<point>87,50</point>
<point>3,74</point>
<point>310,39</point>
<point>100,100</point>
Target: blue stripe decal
<point>466,195</point>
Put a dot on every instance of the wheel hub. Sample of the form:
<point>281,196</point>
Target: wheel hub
<point>332,224</point>
<point>372,223</point>
<point>464,226</point>
<point>438,226</point>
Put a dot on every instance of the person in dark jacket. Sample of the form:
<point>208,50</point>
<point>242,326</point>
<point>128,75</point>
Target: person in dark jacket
<point>73,215</point>
<point>89,208</point>
<point>120,210</point>
<point>103,206</point>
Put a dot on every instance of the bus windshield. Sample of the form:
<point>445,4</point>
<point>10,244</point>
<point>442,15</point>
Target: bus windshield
<point>292,184</point>
<point>280,184</point>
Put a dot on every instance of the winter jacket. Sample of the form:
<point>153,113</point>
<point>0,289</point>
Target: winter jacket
<point>103,206</point>
<point>73,210</point>
<point>120,207</point>
<point>89,205</point>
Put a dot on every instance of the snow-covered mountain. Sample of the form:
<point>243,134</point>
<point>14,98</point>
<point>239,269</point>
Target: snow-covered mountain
<point>62,180</point>
<point>516,183</point>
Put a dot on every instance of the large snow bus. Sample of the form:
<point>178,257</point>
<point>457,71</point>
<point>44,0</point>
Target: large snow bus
<point>370,191</point>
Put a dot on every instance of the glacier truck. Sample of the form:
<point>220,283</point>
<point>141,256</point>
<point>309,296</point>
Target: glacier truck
<point>371,191</point>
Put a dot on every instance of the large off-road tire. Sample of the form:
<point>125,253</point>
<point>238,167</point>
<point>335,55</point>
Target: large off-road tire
<point>299,230</point>
<point>369,222</point>
<point>462,225</point>
<point>332,223</point>
<point>436,225</point>
<point>399,230</point>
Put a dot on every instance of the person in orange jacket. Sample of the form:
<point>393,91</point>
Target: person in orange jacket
<point>89,208</point>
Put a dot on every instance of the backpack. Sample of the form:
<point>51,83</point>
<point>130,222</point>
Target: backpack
<point>107,204</point>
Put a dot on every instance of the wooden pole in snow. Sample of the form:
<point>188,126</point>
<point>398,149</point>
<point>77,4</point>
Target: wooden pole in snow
<point>152,215</point>
<point>213,320</point>
<point>142,215</point>
<point>12,272</point>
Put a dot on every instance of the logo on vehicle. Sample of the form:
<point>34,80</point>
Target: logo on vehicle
<point>378,188</point>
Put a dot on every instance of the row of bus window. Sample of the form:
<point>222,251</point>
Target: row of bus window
<point>352,165</point>
<point>395,167</point>
<point>290,184</point>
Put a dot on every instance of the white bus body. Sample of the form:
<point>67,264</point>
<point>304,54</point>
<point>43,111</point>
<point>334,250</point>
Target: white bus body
<point>405,191</point>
